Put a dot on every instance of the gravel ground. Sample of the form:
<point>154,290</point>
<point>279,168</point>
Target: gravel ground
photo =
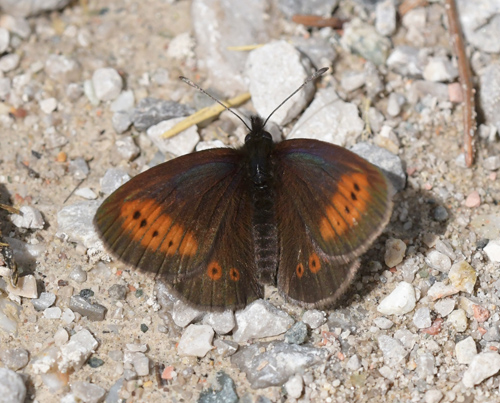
<point>420,322</point>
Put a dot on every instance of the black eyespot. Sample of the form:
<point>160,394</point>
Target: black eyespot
<point>353,196</point>
<point>144,223</point>
<point>155,234</point>
<point>347,210</point>
<point>356,187</point>
<point>170,244</point>
<point>136,215</point>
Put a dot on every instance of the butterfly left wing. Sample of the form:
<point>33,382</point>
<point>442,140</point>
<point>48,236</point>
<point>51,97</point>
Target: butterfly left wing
<point>330,206</point>
<point>187,221</point>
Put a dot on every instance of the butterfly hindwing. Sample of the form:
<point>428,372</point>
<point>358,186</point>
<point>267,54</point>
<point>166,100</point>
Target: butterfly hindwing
<point>173,221</point>
<point>331,204</point>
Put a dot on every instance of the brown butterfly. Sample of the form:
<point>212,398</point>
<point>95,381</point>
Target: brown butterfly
<point>218,225</point>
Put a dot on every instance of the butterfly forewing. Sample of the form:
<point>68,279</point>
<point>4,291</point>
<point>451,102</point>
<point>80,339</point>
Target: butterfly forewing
<point>337,203</point>
<point>173,221</point>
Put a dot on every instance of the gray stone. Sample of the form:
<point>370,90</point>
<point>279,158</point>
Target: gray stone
<point>393,351</point>
<point>314,318</point>
<point>87,392</point>
<point>492,163</point>
<point>249,25</point>
<point>297,334</point>
<point>317,7</point>
<point>121,121</point>
<point>92,311</point>
<point>489,93</point>
<point>113,179</point>
<point>274,71</point>
<point>196,341</point>
<point>127,148</point>
<point>30,217</point>
<point>4,40</point>
<point>425,365</point>
<point>124,102</point>
<point>14,358</point>
<point>465,350</point>
<point>493,333</point>
<point>75,223</point>
<point>328,118</point>
<point>151,111</point>
<point>440,214</point>
<point>74,91</point>
<point>389,163</point>
<point>107,84</point>
<point>221,322</point>
<point>28,8</point>
<point>385,17</point>
<point>12,388</point>
<point>79,168</point>
<point>181,144</point>
<point>294,386</point>
<point>224,393</point>
<point>480,23</point>
<point>483,366</point>
<point>226,348</point>
<point>62,69</point>
<point>16,25</point>
<point>78,274</point>
<point>405,60</point>
<point>365,41</point>
<point>260,319</point>
<point>118,291</point>
<point>275,365</point>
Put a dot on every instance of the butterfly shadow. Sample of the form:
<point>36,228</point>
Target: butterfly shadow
<point>26,263</point>
<point>417,207</point>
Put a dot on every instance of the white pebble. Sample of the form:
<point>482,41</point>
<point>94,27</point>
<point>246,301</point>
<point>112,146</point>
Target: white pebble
<point>394,252</point>
<point>463,277</point>
<point>107,84</point>
<point>383,323</point>
<point>440,290</point>
<point>9,62</point>
<point>422,318</point>
<point>26,287</point>
<point>4,39</point>
<point>458,319</point>
<point>492,250</point>
<point>30,217</point>
<point>52,313</point>
<point>61,336</point>
<point>438,261</point>
<point>196,341</point>
<point>444,306</point>
<point>86,193</point>
<point>48,105</point>
<point>294,386</point>
<point>400,301</point>
<point>182,143</point>
<point>433,396</point>
<point>482,366</point>
<point>465,350</point>
<point>77,350</point>
<point>12,387</point>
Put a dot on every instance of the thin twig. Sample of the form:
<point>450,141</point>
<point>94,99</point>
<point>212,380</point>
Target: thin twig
<point>318,21</point>
<point>409,5</point>
<point>74,190</point>
<point>465,80</point>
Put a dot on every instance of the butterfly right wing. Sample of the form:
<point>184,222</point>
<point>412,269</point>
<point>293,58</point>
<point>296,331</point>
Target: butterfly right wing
<point>189,222</point>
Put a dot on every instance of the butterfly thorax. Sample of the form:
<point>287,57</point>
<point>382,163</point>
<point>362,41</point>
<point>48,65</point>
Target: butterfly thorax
<point>258,147</point>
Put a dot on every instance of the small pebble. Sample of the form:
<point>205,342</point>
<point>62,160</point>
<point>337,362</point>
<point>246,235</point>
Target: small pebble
<point>473,199</point>
<point>141,364</point>
<point>95,312</point>
<point>422,318</point>
<point>74,354</point>
<point>52,313</point>
<point>438,261</point>
<point>314,318</point>
<point>297,334</point>
<point>294,386</point>
<point>45,300</point>
<point>14,358</point>
<point>394,252</point>
<point>4,40</point>
<point>354,363</point>
<point>225,393</point>
<point>385,17</point>
<point>118,291</point>
<point>221,322</point>
<point>144,328</point>
<point>113,179</point>
<point>400,301</point>
<point>183,314</point>
<point>79,168</point>
<point>465,350</point>
<point>48,105</point>
<point>78,274</point>
<point>127,148</point>
<point>444,306</point>
<point>492,250</point>
<point>9,62</point>
<point>196,341</point>
<point>440,290</point>
<point>61,337</point>
<point>260,319</point>
<point>482,366</point>
<point>440,214</point>
<point>121,121</point>
<point>86,193</point>
<point>458,319</point>
<point>383,323</point>
<point>68,316</point>
<point>26,287</point>
<point>95,362</point>
<point>62,69</point>
<point>12,386</point>
<point>393,351</point>
<point>30,217</point>
<point>124,102</point>
<point>463,277</point>
<point>440,69</point>
<point>492,163</point>
<point>86,293</point>
<point>226,348</point>
<point>87,392</point>
<point>433,396</point>
<point>107,84</point>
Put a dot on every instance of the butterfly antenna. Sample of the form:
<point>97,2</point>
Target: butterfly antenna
<point>192,84</point>
<point>308,79</point>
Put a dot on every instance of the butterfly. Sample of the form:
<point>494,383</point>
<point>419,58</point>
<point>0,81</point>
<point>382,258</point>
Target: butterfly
<point>218,225</point>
